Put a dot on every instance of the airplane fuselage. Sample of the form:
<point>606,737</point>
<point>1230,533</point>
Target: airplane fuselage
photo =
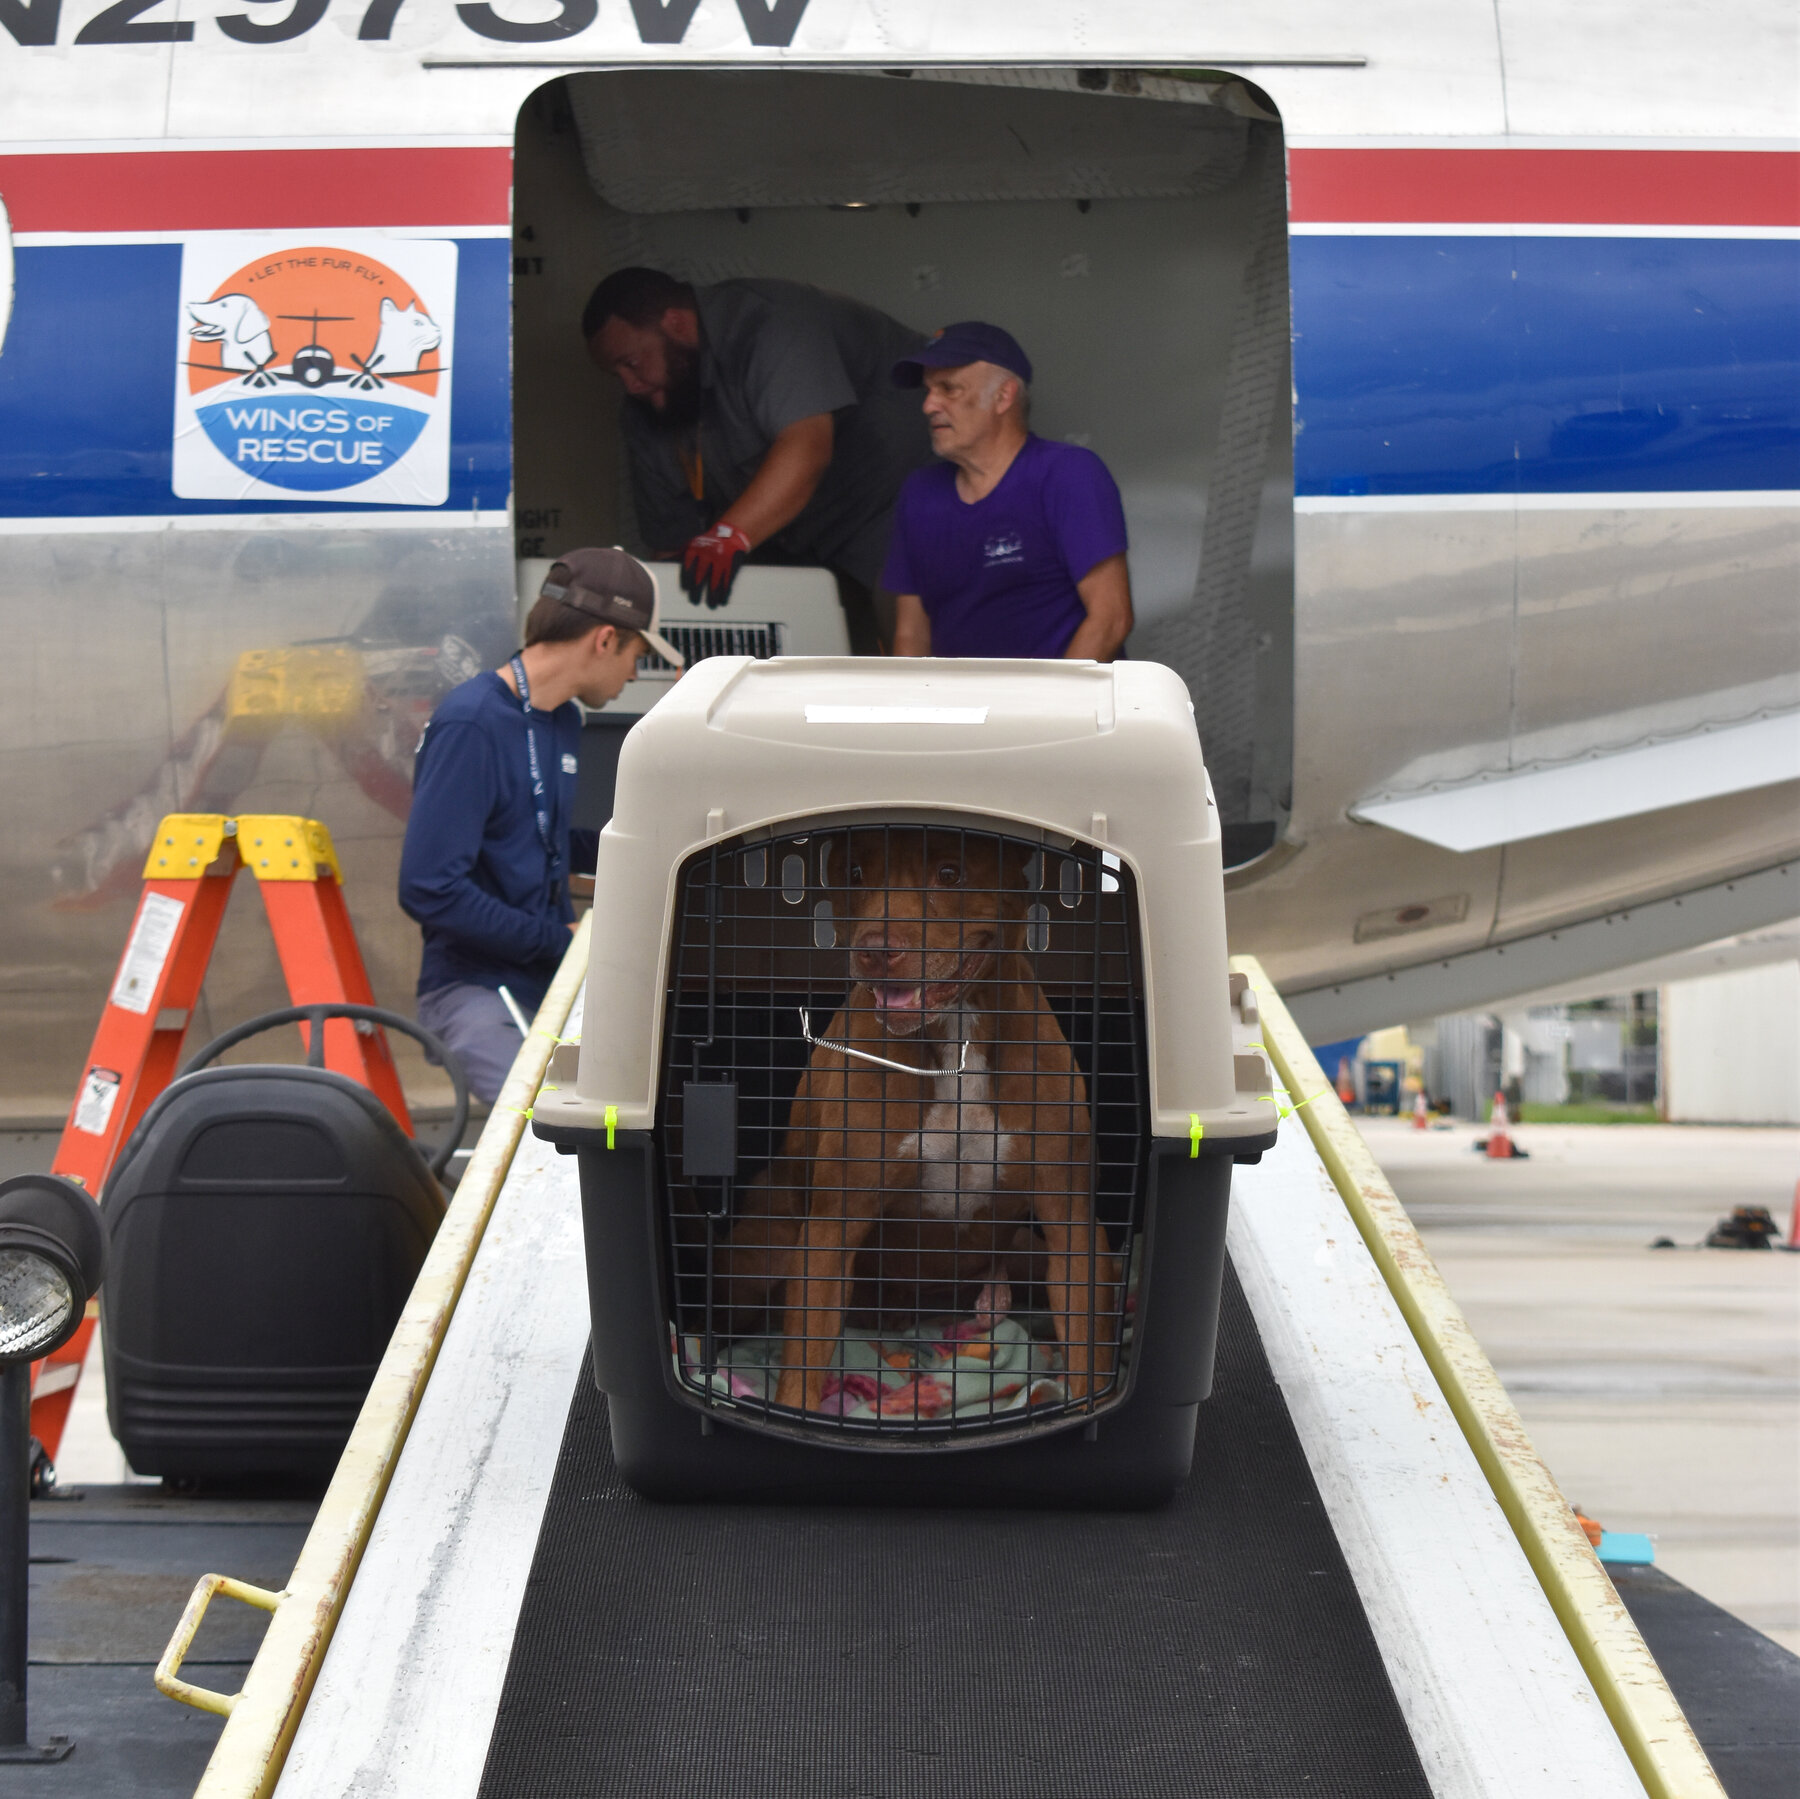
<point>1543,281</point>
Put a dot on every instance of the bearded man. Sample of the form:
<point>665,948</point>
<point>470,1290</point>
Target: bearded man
<point>760,423</point>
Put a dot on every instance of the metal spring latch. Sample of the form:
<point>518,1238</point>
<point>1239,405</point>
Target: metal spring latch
<point>844,1049</point>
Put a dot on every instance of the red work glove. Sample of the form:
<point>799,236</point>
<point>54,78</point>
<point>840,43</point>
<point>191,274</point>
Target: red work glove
<point>709,564</point>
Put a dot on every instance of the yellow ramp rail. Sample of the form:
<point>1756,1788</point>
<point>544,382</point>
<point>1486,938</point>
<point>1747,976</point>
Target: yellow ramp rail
<point>1651,1724</point>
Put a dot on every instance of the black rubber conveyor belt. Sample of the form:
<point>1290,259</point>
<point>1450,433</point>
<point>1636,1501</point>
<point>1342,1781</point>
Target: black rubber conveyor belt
<point>709,1652</point>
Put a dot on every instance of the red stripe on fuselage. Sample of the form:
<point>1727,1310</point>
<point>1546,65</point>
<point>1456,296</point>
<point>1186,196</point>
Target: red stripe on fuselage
<point>288,190</point>
<point>1544,187</point>
<point>257,190</point>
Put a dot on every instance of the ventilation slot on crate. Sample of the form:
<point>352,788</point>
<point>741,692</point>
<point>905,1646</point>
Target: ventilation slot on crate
<point>903,1130</point>
<point>697,642</point>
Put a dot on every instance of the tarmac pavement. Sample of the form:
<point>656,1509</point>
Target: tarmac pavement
<point>1661,1386</point>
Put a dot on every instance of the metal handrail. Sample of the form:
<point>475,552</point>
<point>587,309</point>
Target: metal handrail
<point>168,1670</point>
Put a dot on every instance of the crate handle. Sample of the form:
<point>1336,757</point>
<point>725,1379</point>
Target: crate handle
<point>168,1670</point>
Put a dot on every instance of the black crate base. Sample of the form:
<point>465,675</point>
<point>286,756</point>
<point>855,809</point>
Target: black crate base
<point>1135,1452</point>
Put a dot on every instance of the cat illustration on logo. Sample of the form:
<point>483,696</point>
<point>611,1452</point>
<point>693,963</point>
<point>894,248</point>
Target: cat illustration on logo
<point>405,335</point>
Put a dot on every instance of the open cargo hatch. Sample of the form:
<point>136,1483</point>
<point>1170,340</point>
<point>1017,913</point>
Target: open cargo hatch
<point>1129,229</point>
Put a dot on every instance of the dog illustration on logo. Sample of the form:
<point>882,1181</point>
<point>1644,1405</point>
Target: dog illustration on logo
<point>405,336</point>
<point>241,330</point>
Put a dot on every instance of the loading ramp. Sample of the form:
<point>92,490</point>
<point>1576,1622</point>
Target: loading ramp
<point>1338,1601</point>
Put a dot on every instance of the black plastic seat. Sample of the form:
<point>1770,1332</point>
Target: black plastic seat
<point>267,1224</point>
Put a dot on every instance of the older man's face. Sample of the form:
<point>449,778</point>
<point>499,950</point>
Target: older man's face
<point>962,405</point>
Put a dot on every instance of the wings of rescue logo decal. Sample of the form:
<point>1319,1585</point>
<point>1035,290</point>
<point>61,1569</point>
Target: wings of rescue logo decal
<point>315,369</point>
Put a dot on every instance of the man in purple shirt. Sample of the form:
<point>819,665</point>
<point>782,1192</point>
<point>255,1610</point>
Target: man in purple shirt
<point>1011,545</point>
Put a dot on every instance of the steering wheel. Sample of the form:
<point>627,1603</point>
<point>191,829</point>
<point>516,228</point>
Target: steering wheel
<point>439,1158</point>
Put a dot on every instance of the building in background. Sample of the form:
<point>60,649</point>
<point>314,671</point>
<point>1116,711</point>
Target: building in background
<point>1597,1055</point>
<point>1730,1047</point>
<point>1704,1036</point>
<point>1461,1061</point>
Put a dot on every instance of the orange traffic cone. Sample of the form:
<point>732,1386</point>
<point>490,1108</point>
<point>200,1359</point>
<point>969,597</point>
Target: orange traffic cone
<point>1421,1112</point>
<point>1346,1081</point>
<point>1499,1143</point>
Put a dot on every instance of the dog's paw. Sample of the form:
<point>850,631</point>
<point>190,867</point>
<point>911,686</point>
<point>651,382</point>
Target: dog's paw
<point>992,1303</point>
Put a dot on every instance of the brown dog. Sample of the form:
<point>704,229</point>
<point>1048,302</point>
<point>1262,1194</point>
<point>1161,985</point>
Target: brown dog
<point>919,1155</point>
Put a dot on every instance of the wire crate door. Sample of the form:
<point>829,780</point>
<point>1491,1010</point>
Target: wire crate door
<point>904,1129</point>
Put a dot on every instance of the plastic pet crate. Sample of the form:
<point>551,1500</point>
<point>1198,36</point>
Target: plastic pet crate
<point>910,1086</point>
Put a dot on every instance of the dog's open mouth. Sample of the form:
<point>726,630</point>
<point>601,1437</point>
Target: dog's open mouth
<point>902,1007</point>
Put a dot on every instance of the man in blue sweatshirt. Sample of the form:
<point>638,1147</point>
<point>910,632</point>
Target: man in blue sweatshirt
<point>485,867</point>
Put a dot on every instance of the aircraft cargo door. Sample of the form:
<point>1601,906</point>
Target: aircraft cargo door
<point>1128,228</point>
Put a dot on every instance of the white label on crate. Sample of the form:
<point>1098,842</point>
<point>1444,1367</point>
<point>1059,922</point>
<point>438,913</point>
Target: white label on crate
<point>147,951</point>
<point>896,715</point>
<point>94,1106</point>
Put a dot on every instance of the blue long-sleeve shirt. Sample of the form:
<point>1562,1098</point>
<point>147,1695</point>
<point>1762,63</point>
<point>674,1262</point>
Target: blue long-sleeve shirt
<point>473,871</point>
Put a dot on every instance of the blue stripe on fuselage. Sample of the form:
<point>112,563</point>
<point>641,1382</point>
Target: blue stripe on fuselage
<point>1546,364</point>
<point>87,385</point>
<point>1422,364</point>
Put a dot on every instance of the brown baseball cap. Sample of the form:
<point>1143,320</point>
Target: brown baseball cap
<point>613,588</point>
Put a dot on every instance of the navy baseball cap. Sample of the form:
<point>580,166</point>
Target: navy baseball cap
<point>956,345</point>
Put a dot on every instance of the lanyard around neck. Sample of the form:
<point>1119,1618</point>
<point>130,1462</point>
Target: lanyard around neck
<point>540,798</point>
<point>694,467</point>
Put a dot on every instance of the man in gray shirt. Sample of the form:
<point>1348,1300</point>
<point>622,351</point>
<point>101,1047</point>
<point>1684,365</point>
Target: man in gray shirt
<point>759,418</point>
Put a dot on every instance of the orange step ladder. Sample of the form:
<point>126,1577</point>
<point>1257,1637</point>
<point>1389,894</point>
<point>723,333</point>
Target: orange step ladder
<point>137,1048</point>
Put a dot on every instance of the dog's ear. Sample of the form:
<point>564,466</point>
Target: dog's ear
<point>251,322</point>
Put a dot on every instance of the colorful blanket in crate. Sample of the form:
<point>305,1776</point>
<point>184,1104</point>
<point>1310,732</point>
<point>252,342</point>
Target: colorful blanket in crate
<point>993,1362</point>
<point>986,1364</point>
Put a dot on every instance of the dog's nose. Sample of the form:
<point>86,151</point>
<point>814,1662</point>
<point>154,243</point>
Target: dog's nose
<point>876,951</point>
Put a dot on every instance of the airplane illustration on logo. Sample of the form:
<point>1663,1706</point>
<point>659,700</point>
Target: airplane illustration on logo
<point>404,336</point>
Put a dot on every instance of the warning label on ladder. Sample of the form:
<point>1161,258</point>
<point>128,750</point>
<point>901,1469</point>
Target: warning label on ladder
<point>147,951</point>
<point>94,1108</point>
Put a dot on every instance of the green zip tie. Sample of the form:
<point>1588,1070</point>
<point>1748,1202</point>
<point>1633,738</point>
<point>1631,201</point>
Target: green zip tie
<point>1196,1130</point>
<point>1288,1111</point>
<point>612,1126</point>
